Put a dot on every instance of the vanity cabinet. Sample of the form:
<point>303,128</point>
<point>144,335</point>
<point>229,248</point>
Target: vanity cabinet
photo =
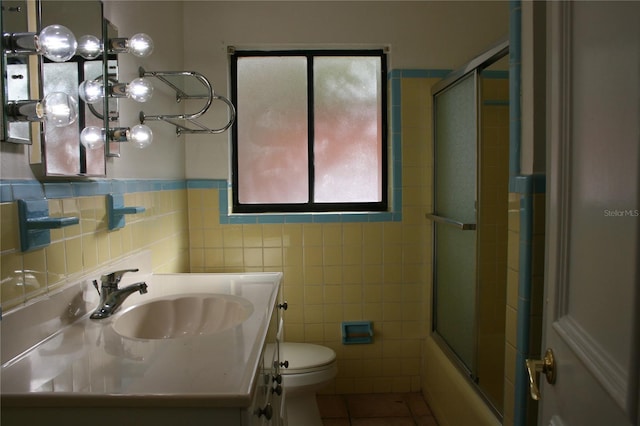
<point>84,371</point>
<point>267,408</point>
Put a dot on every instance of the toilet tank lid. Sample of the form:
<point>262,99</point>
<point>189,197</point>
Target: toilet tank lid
<point>304,356</point>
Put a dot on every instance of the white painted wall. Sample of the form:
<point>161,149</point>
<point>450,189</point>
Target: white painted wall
<point>421,34</point>
<point>162,20</point>
<point>533,90</point>
<point>194,35</point>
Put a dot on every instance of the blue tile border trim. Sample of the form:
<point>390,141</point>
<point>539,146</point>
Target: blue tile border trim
<point>523,185</point>
<point>418,73</point>
<point>528,184</point>
<point>27,190</point>
<point>515,76</point>
<point>12,190</point>
<point>284,218</point>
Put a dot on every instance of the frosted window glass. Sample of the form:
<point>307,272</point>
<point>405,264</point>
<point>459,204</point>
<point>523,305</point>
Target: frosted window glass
<point>347,129</point>
<point>272,130</point>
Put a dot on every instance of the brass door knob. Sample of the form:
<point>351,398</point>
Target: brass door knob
<point>547,366</point>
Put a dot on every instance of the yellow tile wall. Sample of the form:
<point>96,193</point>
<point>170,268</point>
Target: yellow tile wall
<point>336,272</point>
<point>79,249</point>
<point>333,272</point>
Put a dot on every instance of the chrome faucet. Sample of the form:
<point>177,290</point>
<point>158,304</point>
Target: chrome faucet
<point>111,297</point>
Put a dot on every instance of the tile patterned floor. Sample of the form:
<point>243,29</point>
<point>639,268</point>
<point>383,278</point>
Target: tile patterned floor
<point>388,409</point>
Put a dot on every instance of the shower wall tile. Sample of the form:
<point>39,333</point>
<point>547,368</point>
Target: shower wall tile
<point>333,272</point>
<point>509,397</point>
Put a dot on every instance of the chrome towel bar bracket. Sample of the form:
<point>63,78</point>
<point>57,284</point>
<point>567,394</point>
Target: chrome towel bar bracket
<point>188,85</point>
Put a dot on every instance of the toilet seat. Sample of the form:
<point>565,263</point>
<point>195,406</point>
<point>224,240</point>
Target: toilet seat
<point>305,357</point>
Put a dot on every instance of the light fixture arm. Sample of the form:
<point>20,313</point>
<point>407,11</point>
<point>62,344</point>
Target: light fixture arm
<point>55,42</point>
<point>19,43</point>
<point>140,45</point>
<point>18,111</point>
<point>56,109</point>
<point>118,45</point>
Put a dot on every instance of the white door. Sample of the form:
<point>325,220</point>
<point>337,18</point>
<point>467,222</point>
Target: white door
<point>592,320</point>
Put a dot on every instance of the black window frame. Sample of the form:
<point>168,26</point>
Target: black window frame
<point>311,206</point>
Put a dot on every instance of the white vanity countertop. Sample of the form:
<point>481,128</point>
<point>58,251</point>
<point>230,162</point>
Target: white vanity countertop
<point>88,363</point>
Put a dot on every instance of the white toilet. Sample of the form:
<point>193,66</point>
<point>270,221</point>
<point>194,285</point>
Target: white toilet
<point>311,367</point>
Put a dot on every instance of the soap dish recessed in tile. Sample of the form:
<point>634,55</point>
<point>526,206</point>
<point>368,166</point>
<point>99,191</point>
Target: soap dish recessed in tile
<point>357,332</point>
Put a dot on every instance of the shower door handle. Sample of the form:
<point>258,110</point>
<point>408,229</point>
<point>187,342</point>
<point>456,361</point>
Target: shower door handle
<point>451,222</point>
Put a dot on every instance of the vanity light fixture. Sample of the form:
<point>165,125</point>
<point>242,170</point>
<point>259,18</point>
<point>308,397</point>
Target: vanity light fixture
<point>139,90</point>
<point>89,47</point>
<point>139,45</point>
<point>56,109</point>
<point>93,137</point>
<point>55,42</point>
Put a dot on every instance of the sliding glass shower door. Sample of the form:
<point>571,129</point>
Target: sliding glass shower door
<point>471,174</point>
<point>455,217</point>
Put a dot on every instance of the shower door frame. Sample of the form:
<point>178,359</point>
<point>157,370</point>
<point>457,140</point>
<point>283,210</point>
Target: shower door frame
<point>475,66</point>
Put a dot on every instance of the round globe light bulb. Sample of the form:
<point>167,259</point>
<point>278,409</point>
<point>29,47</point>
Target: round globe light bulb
<point>56,42</point>
<point>140,45</point>
<point>140,90</point>
<point>141,136</point>
<point>58,109</point>
<point>89,46</point>
<point>92,137</point>
<point>91,91</point>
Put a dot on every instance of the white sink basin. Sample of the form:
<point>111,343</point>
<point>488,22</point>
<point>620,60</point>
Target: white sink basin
<point>183,315</point>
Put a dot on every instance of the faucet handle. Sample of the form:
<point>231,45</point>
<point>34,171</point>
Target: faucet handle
<point>114,278</point>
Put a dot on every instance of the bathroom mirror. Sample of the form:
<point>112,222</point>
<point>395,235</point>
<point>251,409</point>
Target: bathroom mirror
<point>63,153</point>
<point>20,72</point>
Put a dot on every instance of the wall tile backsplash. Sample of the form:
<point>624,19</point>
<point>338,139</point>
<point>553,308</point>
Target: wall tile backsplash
<point>79,249</point>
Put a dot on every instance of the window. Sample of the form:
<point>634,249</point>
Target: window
<point>310,133</point>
